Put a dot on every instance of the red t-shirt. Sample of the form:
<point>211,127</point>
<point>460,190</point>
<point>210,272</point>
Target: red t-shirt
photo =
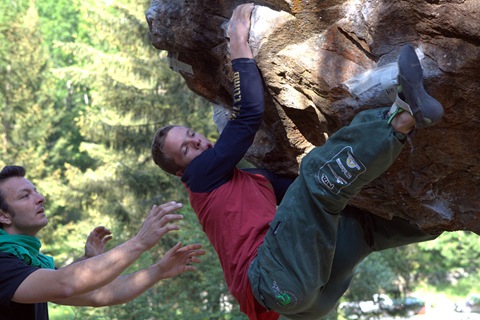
<point>235,217</point>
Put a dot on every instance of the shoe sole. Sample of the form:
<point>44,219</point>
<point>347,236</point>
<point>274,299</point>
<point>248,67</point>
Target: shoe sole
<point>426,110</point>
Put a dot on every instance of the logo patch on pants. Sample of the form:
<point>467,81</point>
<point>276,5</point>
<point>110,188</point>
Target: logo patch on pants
<point>341,170</point>
<point>284,298</point>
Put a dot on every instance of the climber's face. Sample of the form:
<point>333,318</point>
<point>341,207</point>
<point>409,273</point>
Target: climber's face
<point>183,145</point>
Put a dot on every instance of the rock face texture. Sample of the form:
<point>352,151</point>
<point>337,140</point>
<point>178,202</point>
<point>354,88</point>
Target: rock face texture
<point>313,54</point>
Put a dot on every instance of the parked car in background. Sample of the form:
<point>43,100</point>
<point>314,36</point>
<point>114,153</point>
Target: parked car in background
<point>471,304</point>
<point>382,305</point>
<point>408,307</point>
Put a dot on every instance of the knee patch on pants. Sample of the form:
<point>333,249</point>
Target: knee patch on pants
<point>279,292</point>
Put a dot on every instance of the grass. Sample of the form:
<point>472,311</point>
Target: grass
<point>58,312</point>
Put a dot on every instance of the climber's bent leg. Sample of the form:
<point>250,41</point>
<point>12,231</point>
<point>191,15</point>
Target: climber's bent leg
<point>295,261</point>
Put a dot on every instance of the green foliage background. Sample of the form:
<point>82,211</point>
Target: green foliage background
<point>82,92</point>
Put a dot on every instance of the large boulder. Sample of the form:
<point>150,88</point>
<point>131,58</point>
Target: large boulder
<point>323,62</point>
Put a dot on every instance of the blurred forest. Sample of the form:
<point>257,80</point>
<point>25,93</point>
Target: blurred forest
<point>82,92</point>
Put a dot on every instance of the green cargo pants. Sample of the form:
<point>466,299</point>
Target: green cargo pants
<point>313,245</point>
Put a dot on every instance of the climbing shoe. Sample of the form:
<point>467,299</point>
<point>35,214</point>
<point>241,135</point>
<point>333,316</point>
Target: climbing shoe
<point>412,96</point>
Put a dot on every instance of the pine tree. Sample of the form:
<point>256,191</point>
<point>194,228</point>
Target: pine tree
<point>25,107</point>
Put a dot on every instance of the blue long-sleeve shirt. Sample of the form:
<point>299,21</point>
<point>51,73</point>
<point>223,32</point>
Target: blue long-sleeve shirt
<point>215,166</point>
